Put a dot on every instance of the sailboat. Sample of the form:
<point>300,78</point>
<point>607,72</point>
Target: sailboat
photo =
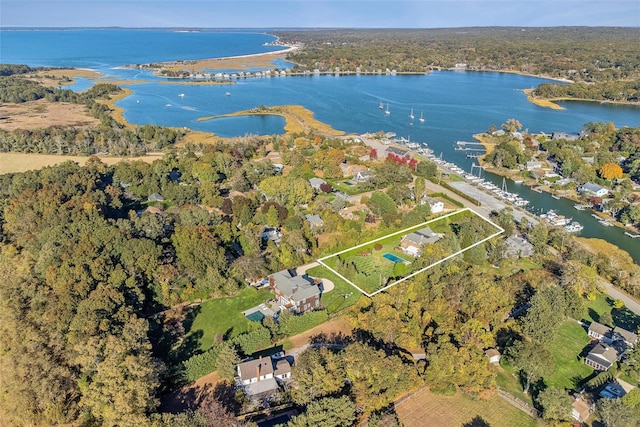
<point>381,106</point>
<point>411,116</point>
<point>387,110</point>
<point>421,118</point>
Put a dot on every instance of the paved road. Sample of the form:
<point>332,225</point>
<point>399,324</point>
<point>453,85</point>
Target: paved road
<point>615,293</point>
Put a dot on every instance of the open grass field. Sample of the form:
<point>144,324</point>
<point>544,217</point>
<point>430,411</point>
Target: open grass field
<point>42,113</point>
<point>426,410</point>
<point>342,296</point>
<point>224,316</point>
<point>21,162</point>
<point>565,349</point>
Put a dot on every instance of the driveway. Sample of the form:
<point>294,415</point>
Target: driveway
<point>327,285</point>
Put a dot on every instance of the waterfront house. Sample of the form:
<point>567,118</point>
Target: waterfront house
<point>565,136</point>
<point>593,189</point>
<point>532,164</point>
<point>400,152</point>
<point>297,293</point>
<point>412,243</point>
<point>601,357</point>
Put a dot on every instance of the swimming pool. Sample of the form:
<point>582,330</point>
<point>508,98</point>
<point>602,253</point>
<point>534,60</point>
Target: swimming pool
<point>256,316</point>
<point>393,258</point>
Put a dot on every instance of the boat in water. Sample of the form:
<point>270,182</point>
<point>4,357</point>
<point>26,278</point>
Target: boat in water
<point>574,227</point>
<point>421,117</point>
<point>411,116</point>
<point>381,106</point>
<point>387,110</point>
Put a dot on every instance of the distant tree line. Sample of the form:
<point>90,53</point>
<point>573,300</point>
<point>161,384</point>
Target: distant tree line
<point>576,53</point>
<point>620,91</point>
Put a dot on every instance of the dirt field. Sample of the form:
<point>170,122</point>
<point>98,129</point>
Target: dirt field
<point>21,162</point>
<point>426,409</point>
<point>42,113</point>
<point>340,325</point>
<point>188,396</point>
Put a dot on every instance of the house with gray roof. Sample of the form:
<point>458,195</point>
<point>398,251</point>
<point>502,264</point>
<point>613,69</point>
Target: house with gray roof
<point>316,183</point>
<point>256,377</point>
<point>294,292</point>
<point>412,243</point>
<point>629,338</point>
<point>517,247</point>
<point>593,189</point>
<point>401,152</point>
<point>598,331</point>
<point>601,357</point>
<point>314,220</point>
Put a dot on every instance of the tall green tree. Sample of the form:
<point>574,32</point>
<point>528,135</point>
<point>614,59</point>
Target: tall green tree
<point>531,359</point>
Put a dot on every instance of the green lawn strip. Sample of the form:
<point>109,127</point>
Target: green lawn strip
<point>343,294</point>
<point>224,315</point>
<point>506,379</point>
<point>596,307</point>
<point>570,340</point>
<point>351,190</point>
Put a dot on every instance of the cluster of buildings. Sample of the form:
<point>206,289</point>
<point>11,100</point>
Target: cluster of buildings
<point>611,345</point>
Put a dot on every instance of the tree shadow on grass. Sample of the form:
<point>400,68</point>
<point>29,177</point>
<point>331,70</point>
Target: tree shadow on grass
<point>477,421</point>
<point>625,318</point>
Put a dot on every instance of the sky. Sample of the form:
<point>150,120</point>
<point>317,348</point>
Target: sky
<point>318,13</point>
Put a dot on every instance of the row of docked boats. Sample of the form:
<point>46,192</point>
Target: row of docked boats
<point>553,218</point>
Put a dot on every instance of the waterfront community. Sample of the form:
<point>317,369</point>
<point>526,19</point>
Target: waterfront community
<point>358,260</point>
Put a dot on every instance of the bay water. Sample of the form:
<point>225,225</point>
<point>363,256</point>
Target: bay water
<point>454,104</point>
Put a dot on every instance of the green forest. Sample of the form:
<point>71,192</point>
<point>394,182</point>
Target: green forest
<point>605,58</point>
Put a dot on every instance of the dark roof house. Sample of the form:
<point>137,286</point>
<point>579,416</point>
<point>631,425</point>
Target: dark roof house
<point>601,357</point>
<point>293,292</point>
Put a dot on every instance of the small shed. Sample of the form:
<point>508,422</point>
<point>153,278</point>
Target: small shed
<point>493,355</point>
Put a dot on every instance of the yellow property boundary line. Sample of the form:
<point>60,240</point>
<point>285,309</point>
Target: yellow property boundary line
<point>321,260</point>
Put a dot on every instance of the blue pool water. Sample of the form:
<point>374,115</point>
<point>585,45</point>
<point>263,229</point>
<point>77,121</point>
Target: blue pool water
<point>256,316</point>
<point>393,258</point>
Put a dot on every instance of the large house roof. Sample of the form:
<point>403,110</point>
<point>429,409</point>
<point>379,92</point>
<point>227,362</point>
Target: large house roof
<point>298,288</point>
<point>603,355</point>
<point>626,335</point>
<point>255,368</point>
<point>422,236</point>
<point>599,328</point>
<point>283,367</point>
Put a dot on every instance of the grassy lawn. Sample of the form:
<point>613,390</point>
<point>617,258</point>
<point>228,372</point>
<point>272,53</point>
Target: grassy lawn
<point>595,308</point>
<point>508,382</point>
<point>565,349</point>
<point>342,296</point>
<point>224,316</point>
<point>427,409</point>
<point>371,270</point>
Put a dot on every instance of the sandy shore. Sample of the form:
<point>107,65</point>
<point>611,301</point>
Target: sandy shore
<point>240,62</point>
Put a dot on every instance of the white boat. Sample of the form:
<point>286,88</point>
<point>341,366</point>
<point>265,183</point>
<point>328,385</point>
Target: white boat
<point>633,236</point>
<point>581,207</point>
<point>167,105</point>
<point>411,116</point>
<point>387,110</point>
<point>605,223</point>
<point>227,93</point>
<point>521,202</point>
<point>574,227</point>
<point>181,95</point>
<point>381,106</point>
<point>421,118</point>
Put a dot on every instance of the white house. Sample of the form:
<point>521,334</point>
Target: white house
<point>594,189</point>
<point>436,205</point>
